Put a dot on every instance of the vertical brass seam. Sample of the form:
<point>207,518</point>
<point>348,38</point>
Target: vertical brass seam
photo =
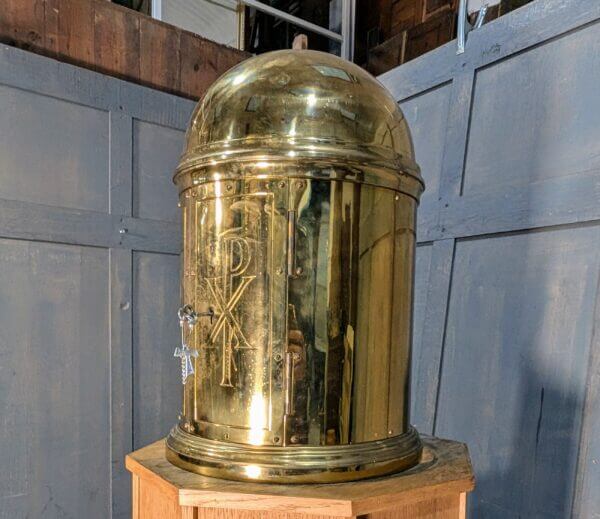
<point>285,343</point>
<point>182,284</point>
<point>193,282</point>
<point>291,242</point>
<point>271,271</point>
<point>356,199</point>
<point>395,273</point>
<point>289,386</point>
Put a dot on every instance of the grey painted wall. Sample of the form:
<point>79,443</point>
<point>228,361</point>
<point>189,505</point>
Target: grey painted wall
<point>87,313</point>
<point>507,310</point>
<point>506,354</point>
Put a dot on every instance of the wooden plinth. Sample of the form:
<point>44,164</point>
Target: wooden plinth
<point>434,489</point>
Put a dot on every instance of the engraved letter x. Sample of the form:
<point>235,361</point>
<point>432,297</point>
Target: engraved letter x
<point>225,308</point>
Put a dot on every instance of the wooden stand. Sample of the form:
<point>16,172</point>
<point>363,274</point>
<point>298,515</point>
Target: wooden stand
<point>434,489</point>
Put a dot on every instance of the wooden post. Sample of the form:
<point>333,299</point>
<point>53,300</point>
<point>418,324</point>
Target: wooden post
<point>300,42</point>
<point>435,489</point>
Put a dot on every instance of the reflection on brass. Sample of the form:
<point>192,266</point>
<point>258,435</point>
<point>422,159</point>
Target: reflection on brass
<point>298,191</point>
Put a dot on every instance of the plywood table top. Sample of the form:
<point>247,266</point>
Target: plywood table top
<point>445,468</point>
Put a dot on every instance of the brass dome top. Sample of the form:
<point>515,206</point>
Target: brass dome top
<point>299,105</point>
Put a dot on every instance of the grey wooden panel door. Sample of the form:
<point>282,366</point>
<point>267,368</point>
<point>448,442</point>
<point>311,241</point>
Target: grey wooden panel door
<point>89,283</point>
<point>507,356</point>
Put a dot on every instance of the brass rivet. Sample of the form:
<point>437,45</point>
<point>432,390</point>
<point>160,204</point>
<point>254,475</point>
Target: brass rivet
<point>390,432</point>
<point>294,439</point>
<point>178,204</point>
<point>282,184</point>
<point>279,271</point>
<point>299,271</point>
<point>397,197</point>
<point>276,439</point>
<point>229,187</point>
<point>278,357</point>
<point>299,183</point>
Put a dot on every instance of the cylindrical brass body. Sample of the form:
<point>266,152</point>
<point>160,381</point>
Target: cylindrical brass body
<point>298,192</point>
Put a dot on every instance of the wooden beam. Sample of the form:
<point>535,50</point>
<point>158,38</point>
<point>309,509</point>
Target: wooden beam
<point>120,42</point>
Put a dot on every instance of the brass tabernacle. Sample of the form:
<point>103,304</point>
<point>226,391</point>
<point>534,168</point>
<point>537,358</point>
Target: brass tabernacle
<point>298,190</point>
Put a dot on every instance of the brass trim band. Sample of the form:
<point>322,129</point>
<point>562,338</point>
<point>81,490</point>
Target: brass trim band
<point>371,173</point>
<point>301,464</point>
<point>304,148</point>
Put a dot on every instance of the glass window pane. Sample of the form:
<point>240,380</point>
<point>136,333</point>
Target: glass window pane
<point>263,33</point>
<point>215,20</point>
<point>325,13</point>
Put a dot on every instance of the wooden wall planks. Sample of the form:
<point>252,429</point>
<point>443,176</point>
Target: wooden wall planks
<point>156,392</point>
<point>24,22</point>
<point>160,56</point>
<point>105,37</point>
<point>82,157</point>
<point>54,359</point>
<point>476,246</point>
<point>506,349</point>
<point>116,42</point>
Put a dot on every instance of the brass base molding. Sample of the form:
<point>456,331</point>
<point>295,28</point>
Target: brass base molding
<point>298,464</point>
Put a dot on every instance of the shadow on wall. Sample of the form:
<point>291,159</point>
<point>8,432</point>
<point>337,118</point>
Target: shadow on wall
<point>515,366</point>
<point>527,471</point>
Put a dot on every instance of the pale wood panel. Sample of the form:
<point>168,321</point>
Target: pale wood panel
<point>447,507</point>
<point>135,497</point>
<point>53,152</point>
<point>462,512</point>
<point>217,513</point>
<point>153,503</point>
<point>188,512</point>
<point>54,381</point>
<point>444,469</point>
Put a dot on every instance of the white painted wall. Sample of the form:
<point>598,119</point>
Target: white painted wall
<point>212,19</point>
